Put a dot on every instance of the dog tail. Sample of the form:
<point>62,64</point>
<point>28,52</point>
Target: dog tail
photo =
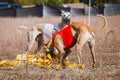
<point>23,27</point>
<point>103,27</point>
<point>20,28</point>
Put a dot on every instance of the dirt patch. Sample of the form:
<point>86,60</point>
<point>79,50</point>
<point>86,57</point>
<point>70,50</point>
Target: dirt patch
<point>108,68</point>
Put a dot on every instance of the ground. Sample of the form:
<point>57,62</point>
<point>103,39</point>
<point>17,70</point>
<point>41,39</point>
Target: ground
<point>107,51</point>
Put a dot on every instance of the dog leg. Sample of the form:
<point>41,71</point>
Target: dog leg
<point>86,37</point>
<point>64,56</point>
<point>67,52</point>
<point>59,44</point>
<point>82,39</point>
<point>30,41</point>
<point>91,46</point>
<point>32,36</point>
<point>61,55</point>
<point>40,41</point>
<point>49,44</point>
<point>79,52</point>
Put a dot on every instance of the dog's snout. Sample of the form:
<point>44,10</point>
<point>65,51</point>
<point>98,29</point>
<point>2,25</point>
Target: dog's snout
<point>67,21</point>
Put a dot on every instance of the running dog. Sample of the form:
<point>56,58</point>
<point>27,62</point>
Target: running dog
<point>77,33</point>
<point>37,32</point>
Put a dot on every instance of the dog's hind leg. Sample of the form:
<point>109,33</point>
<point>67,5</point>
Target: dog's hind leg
<point>67,52</point>
<point>31,38</point>
<point>82,39</point>
<point>29,41</point>
<point>40,41</point>
<point>59,45</point>
<point>79,52</point>
<point>91,43</point>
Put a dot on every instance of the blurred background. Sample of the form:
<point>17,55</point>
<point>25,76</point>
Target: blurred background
<point>43,8</point>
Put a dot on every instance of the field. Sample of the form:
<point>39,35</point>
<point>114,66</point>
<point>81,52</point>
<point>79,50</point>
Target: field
<point>107,50</point>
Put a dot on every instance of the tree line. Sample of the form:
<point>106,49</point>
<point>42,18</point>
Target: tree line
<point>94,3</point>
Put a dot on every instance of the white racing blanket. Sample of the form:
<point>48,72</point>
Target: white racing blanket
<point>48,28</point>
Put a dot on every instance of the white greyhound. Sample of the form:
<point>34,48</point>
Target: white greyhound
<point>37,32</point>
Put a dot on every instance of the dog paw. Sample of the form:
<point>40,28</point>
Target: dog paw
<point>46,48</point>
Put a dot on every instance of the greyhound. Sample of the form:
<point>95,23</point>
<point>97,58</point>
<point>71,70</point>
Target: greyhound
<point>37,32</point>
<point>77,33</point>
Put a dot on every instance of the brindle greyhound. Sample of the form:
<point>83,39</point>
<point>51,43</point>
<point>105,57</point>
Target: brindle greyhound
<point>76,32</point>
<point>37,32</point>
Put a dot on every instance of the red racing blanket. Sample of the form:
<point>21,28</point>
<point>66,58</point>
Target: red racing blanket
<point>68,38</point>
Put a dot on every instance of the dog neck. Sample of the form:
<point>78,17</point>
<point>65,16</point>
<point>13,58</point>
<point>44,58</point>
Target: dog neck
<point>63,24</point>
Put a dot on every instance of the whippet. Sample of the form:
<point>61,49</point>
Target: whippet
<point>77,33</point>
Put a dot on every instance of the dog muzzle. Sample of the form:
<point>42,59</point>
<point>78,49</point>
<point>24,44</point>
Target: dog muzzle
<point>66,20</point>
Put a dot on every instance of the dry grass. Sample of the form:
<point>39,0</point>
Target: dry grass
<point>107,51</point>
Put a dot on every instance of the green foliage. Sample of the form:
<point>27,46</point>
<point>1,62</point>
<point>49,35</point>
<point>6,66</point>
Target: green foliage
<point>112,1</point>
<point>53,2</point>
<point>71,1</point>
<point>23,2</point>
<point>95,3</point>
<point>100,3</point>
<point>32,2</point>
<point>28,2</point>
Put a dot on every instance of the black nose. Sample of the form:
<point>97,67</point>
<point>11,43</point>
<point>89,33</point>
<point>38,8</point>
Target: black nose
<point>66,21</point>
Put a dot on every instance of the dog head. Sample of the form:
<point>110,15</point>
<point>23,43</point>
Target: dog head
<point>66,16</point>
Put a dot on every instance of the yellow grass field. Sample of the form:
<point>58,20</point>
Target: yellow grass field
<point>107,50</point>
